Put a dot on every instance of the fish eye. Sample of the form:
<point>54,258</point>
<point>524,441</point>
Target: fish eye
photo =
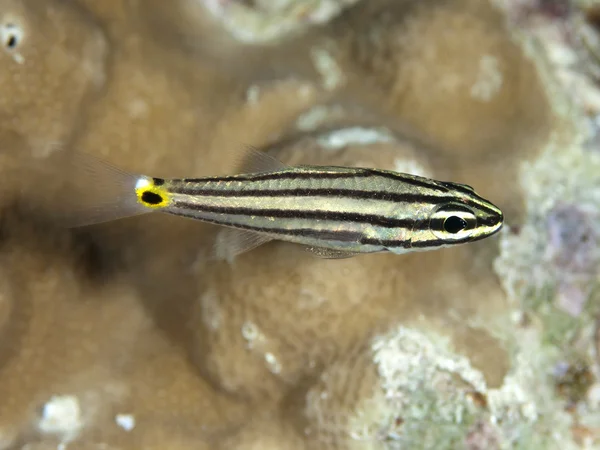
<point>452,221</point>
<point>454,224</point>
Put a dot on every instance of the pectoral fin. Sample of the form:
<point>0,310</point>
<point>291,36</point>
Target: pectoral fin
<point>231,242</point>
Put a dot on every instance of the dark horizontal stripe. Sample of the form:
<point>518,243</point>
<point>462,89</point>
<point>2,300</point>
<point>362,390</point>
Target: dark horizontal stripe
<point>464,188</point>
<point>318,192</point>
<point>392,243</point>
<point>492,214</point>
<point>489,221</point>
<point>479,202</point>
<point>488,234</point>
<point>387,243</point>
<point>322,174</point>
<point>437,242</point>
<point>419,182</point>
<point>326,235</point>
<point>372,219</point>
<point>427,243</point>
<point>287,175</point>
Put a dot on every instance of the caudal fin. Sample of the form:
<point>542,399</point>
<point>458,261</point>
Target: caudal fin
<point>95,191</point>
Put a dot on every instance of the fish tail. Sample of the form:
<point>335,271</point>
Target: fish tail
<point>95,191</point>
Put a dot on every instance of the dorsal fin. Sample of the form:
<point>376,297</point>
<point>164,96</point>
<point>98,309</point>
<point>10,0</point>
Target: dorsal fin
<point>255,161</point>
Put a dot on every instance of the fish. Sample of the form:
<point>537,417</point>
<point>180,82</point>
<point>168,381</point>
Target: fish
<point>331,211</point>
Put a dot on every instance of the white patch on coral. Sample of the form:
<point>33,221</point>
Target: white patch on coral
<point>316,116</point>
<point>138,108</point>
<point>411,167</point>
<point>354,136</point>
<point>272,363</point>
<point>523,402</point>
<point>306,92</point>
<point>43,148</point>
<point>250,331</point>
<point>62,416</point>
<point>593,396</point>
<point>213,6</point>
<point>571,299</point>
<point>264,20</point>
<point>405,352</point>
<point>211,310</point>
<point>309,299</point>
<point>326,10</point>
<point>252,334</point>
<point>422,381</point>
<point>331,73</point>
<point>125,421</point>
<point>561,55</point>
<point>253,94</point>
<point>489,79</point>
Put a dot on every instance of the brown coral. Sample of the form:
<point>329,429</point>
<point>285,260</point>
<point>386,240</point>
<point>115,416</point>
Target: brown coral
<point>138,324</point>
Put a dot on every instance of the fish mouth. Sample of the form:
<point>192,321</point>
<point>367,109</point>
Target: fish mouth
<point>491,224</point>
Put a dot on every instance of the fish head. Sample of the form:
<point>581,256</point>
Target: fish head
<point>463,218</point>
<point>466,218</point>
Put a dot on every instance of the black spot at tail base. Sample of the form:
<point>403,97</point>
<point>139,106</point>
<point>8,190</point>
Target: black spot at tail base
<point>151,198</point>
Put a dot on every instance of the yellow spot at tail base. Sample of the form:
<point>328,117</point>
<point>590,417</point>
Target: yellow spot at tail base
<point>151,194</point>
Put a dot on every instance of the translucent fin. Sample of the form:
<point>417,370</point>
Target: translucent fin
<point>255,161</point>
<point>94,191</point>
<point>327,253</point>
<point>231,242</point>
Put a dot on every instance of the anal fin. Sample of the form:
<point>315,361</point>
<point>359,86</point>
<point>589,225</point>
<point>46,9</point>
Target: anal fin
<point>231,242</point>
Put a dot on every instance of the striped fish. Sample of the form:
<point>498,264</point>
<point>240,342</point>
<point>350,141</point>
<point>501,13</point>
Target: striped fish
<point>334,212</point>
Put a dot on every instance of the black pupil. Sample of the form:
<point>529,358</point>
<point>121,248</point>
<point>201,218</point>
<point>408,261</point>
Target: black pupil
<point>151,198</point>
<point>454,224</point>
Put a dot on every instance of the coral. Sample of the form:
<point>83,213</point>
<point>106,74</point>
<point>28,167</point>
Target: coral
<point>57,51</point>
<point>125,336</point>
<point>264,20</point>
<point>406,391</point>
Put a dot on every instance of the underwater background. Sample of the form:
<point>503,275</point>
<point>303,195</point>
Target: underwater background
<point>126,336</point>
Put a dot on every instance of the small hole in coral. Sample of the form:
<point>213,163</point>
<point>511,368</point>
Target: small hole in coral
<point>11,35</point>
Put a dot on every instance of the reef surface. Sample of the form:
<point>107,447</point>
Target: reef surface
<point>124,335</point>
